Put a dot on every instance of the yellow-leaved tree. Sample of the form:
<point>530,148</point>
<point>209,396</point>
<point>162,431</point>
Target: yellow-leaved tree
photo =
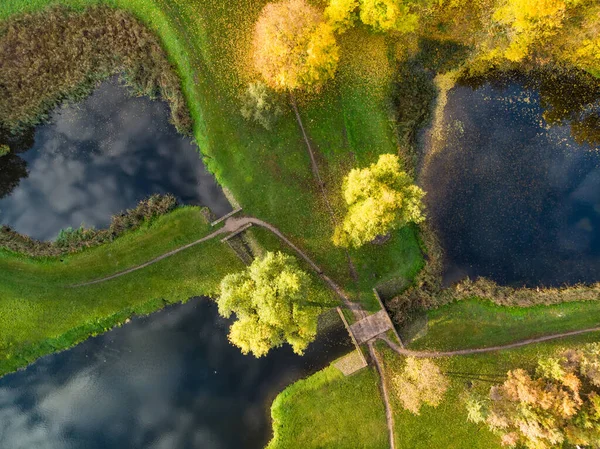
<point>388,15</point>
<point>294,47</point>
<point>528,22</point>
<point>557,406</point>
<point>274,302</point>
<point>421,382</point>
<point>341,14</point>
<point>380,198</point>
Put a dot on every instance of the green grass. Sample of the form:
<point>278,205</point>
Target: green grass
<point>476,323</point>
<point>39,313</point>
<point>269,172</point>
<point>447,425</point>
<point>328,410</point>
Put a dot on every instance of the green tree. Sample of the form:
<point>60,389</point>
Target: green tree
<point>294,48</point>
<point>380,198</point>
<point>4,150</point>
<point>388,15</point>
<point>271,302</point>
<point>421,382</point>
<point>558,404</point>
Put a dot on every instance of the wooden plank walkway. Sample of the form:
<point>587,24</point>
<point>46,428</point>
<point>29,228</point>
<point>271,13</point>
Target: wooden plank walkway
<point>371,326</point>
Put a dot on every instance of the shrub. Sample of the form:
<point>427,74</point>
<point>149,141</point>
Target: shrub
<point>556,406</point>
<point>388,15</point>
<point>61,54</point>
<point>4,150</point>
<point>340,14</point>
<point>73,240</point>
<point>260,105</point>
<point>421,382</point>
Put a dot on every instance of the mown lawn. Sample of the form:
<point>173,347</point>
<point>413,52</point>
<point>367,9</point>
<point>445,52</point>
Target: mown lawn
<point>477,323</point>
<point>328,410</point>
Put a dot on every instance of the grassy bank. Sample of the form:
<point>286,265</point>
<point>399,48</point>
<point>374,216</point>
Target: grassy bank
<point>478,323</point>
<point>40,314</point>
<point>469,323</point>
<point>332,411</point>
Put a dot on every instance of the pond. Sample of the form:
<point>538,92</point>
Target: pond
<point>167,381</point>
<point>514,191</point>
<point>97,157</point>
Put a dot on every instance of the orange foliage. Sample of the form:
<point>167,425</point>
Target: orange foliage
<point>294,48</point>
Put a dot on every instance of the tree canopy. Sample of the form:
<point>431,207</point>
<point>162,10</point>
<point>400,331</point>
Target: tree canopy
<point>271,302</point>
<point>294,47</point>
<point>529,22</point>
<point>388,15</point>
<point>380,198</point>
<point>421,382</point>
<point>559,403</point>
<point>341,13</point>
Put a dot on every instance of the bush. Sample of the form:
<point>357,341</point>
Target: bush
<point>388,15</point>
<point>260,105</point>
<point>73,240</point>
<point>341,14</point>
<point>557,406</point>
<point>4,150</point>
<point>61,54</point>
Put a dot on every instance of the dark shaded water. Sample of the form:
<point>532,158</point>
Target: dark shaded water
<point>98,157</point>
<point>167,381</point>
<point>515,192</point>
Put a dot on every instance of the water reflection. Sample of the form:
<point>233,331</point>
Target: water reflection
<point>98,157</point>
<point>514,194</point>
<point>168,381</point>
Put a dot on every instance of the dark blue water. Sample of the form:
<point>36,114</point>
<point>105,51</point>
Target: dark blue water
<point>98,157</point>
<point>515,193</point>
<point>167,381</point>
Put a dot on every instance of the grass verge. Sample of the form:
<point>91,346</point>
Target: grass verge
<point>476,323</point>
<point>328,410</point>
<point>40,314</point>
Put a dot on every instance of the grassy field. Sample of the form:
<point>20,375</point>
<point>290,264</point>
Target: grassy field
<point>464,324</point>
<point>447,426</point>
<point>475,323</point>
<point>328,410</point>
<point>40,314</point>
<point>269,172</point>
<point>308,411</point>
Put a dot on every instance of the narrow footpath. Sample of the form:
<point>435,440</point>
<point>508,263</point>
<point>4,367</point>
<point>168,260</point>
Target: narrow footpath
<point>234,224</point>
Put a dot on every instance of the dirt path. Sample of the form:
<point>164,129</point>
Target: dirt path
<point>518,344</point>
<point>150,262</point>
<point>321,184</point>
<point>232,225</point>
<point>389,417</point>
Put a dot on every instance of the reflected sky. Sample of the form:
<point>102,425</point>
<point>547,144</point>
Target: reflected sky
<point>168,381</point>
<point>513,198</point>
<point>101,156</point>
